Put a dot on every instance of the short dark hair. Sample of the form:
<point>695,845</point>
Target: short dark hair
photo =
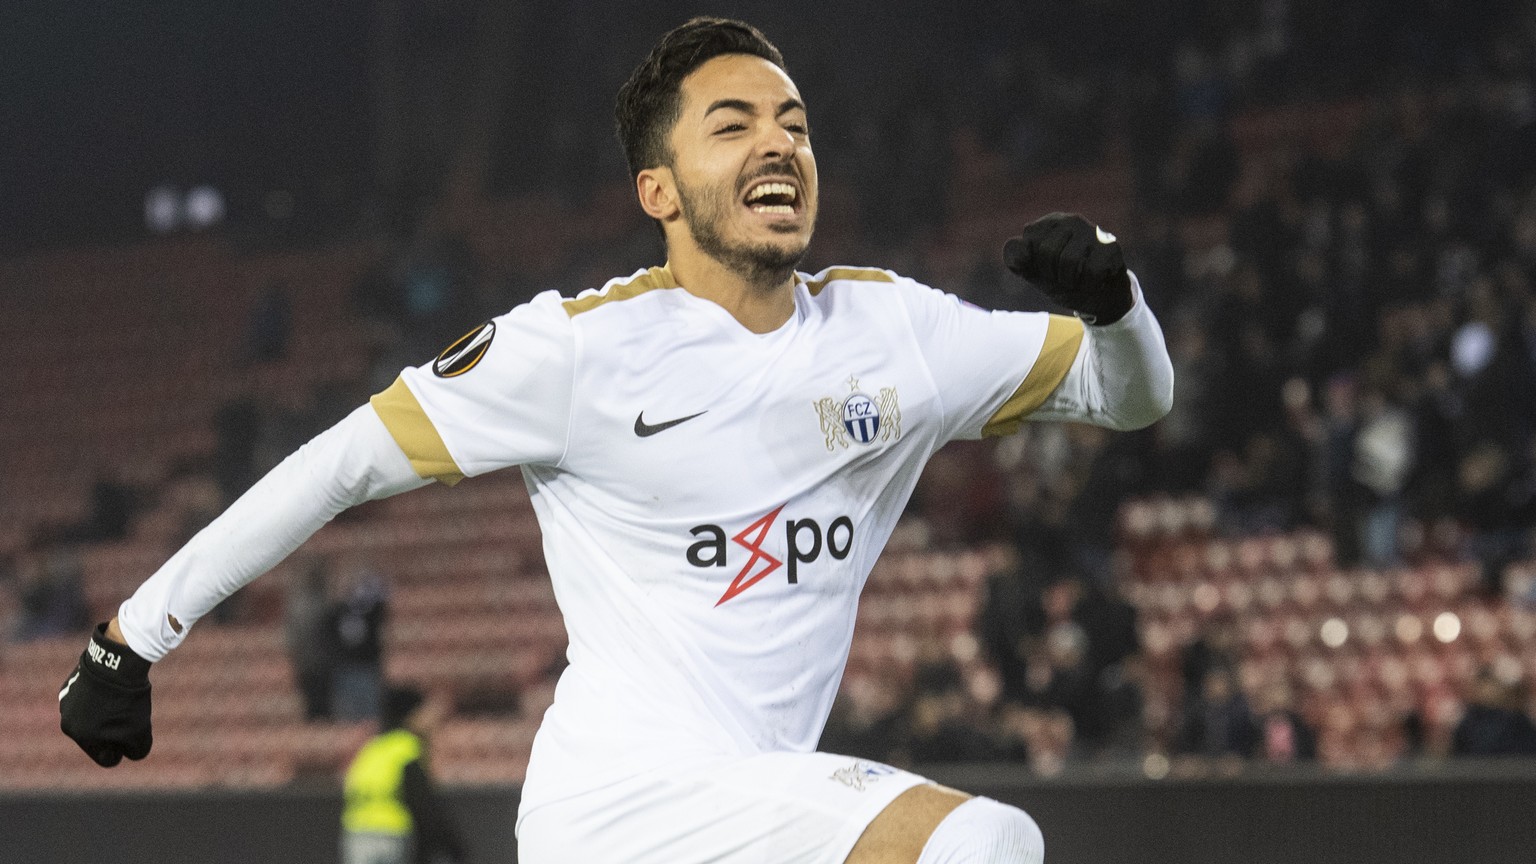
<point>396,706</point>
<point>649,102</point>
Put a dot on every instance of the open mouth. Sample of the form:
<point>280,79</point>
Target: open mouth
<point>773,196</point>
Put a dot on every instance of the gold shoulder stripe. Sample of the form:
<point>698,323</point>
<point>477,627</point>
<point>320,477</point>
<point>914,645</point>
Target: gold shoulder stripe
<point>655,277</point>
<point>857,274</point>
<point>1063,336</point>
<point>414,432</point>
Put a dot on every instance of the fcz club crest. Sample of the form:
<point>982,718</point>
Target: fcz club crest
<point>858,418</point>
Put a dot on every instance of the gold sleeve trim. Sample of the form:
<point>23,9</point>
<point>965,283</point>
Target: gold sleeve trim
<point>1063,336</point>
<point>409,425</point>
<point>856,274</point>
<point>650,280</point>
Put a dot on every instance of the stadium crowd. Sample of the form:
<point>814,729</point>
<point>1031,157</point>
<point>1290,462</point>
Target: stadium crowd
<point>1353,325</point>
<point>1350,305</point>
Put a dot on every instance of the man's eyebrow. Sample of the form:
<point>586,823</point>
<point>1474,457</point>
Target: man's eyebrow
<point>790,105</point>
<point>741,105</point>
<point>745,107</point>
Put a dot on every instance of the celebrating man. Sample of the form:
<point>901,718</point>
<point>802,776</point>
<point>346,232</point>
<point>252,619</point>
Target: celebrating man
<point>717,450</point>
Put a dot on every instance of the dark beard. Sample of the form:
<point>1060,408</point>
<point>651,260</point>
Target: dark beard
<point>763,266</point>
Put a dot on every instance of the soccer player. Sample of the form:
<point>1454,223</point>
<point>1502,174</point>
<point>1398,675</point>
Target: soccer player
<point>716,449</point>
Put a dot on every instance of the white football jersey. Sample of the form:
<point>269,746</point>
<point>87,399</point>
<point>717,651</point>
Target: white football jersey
<point>712,499</point>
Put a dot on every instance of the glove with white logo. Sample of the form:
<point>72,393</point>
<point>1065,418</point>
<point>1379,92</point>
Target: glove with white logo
<point>1076,264</point>
<point>104,704</point>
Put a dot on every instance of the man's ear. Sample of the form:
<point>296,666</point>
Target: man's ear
<point>657,191</point>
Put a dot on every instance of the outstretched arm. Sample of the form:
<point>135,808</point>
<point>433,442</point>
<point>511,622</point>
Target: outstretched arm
<point>354,461</point>
<point>1121,378</point>
<point>105,704</point>
<point>440,421</point>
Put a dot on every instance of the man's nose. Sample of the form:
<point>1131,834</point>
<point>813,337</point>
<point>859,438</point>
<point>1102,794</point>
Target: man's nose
<point>775,142</point>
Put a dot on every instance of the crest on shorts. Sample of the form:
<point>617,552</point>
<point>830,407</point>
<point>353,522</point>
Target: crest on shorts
<point>860,774</point>
<point>859,419</point>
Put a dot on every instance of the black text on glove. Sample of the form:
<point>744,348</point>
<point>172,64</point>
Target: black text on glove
<point>104,703</point>
<point>1076,264</point>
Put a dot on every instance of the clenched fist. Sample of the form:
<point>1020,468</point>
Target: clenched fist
<point>104,704</point>
<point>1076,264</point>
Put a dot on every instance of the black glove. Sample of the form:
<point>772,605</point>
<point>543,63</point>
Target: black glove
<point>1075,263</point>
<point>104,704</point>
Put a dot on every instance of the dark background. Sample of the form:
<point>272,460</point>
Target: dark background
<point>100,102</point>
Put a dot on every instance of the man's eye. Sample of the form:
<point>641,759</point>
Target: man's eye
<point>797,128</point>
<point>734,127</point>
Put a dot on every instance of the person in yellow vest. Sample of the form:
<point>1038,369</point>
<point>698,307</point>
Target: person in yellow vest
<point>392,814</point>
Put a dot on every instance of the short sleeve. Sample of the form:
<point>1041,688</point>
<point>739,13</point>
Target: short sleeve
<point>991,368</point>
<point>498,396</point>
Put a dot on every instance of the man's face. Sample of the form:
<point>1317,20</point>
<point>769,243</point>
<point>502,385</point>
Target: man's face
<point>742,163</point>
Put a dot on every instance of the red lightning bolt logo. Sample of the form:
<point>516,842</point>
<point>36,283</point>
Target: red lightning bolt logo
<point>754,545</point>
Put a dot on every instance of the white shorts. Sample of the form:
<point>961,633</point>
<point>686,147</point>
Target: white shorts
<point>772,808</point>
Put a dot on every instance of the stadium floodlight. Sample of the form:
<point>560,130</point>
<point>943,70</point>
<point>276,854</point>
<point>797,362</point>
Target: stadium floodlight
<point>205,207</point>
<point>162,209</point>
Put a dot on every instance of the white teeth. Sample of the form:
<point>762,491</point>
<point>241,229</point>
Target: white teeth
<point>773,208</point>
<point>771,189</point>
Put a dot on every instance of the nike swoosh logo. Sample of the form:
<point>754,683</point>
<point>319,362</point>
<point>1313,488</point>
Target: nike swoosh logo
<point>68,684</point>
<point>646,430</point>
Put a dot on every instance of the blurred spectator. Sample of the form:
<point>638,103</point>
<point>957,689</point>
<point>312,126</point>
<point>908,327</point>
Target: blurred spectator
<point>868,719</point>
<point>116,496</point>
<point>1122,714</point>
<point>1216,646</point>
<point>1383,457</point>
<point>1260,489</point>
<point>1069,649</point>
<point>113,505</point>
<point>1284,737</point>
<point>51,595</point>
<point>1495,723</point>
<point>1496,499</point>
<point>947,719</point>
<point>271,325</point>
<point>425,293</point>
<point>1184,436</point>
<point>356,625</point>
<point>1110,473</point>
<point>1335,455</point>
<point>1109,622</point>
<point>1010,615</point>
<point>1043,737</point>
<point>309,638</point>
<point>236,425</point>
<point>1218,722</point>
<point>1057,676</point>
